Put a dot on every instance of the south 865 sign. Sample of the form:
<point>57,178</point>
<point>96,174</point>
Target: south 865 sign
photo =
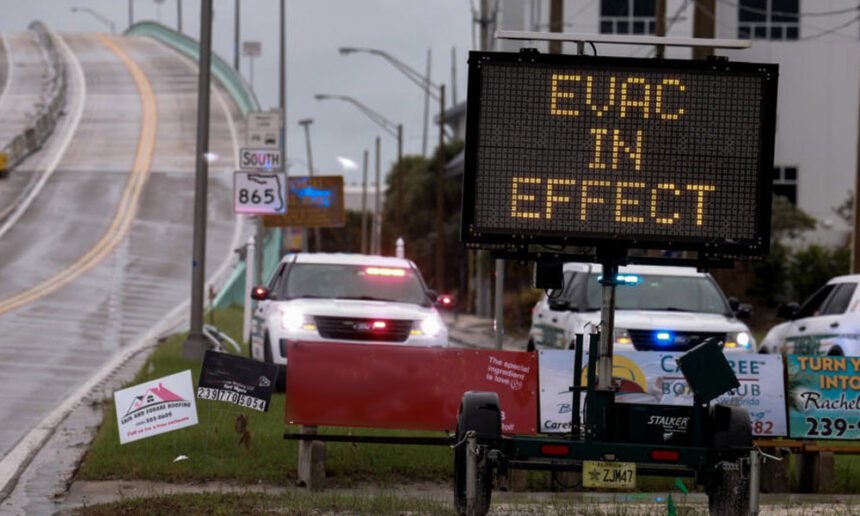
<point>649,153</point>
<point>259,193</point>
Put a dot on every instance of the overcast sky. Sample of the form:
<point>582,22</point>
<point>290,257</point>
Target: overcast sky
<point>315,30</point>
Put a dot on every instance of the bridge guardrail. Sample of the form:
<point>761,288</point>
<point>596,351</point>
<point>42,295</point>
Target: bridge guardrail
<point>234,83</point>
<point>33,137</point>
<point>233,290</point>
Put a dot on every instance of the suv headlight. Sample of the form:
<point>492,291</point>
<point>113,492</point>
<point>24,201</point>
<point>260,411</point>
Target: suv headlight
<point>622,336</point>
<point>429,326</point>
<point>294,320</point>
<point>739,340</point>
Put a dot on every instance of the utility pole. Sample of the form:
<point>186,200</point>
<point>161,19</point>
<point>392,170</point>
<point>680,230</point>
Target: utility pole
<point>236,37</point>
<point>364,206</point>
<point>398,186</point>
<point>376,237</point>
<point>704,19</point>
<point>306,123</point>
<point>179,16</point>
<point>440,195</point>
<point>660,29</point>
<point>195,344</point>
<point>426,105</point>
<point>855,234</point>
<point>556,23</point>
<point>130,13</point>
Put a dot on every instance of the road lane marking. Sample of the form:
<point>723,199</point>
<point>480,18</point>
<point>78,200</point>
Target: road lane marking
<point>13,465</point>
<point>127,207</point>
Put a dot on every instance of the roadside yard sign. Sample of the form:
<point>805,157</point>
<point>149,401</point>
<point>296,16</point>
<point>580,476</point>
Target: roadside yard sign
<point>237,380</point>
<point>155,407</point>
<point>263,129</point>
<point>252,48</point>
<point>314,202</point>
<point>260,159</point>
<point>654,378</point>
<point>632,153</point>
<point>259,193</point>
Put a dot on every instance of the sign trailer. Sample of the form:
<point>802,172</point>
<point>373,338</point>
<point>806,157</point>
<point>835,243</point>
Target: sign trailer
<point>565,153</point>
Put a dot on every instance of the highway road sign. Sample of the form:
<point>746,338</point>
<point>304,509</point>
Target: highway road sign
<point>314,202</point>
<point>260,159</point>
<point>262,130</point>
<point>252,48</point>
<point>259,193</point>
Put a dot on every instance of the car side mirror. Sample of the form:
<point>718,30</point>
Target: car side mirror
<point>734,304</point>
<point>259,293</point>
<point>787,310</point>
<point>744,311</point>
<point>559,305</point>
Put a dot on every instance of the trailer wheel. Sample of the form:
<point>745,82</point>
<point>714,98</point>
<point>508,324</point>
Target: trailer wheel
<point>479,412</point>
<point>728,489</point>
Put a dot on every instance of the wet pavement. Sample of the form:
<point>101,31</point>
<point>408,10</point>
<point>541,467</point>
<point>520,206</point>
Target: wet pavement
<point>113,254</point>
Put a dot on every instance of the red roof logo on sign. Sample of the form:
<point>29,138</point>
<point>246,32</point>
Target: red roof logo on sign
<point>153,396</point>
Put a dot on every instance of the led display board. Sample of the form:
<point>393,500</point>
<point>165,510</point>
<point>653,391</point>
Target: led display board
<point>312,202</point>
<point>642,153</point>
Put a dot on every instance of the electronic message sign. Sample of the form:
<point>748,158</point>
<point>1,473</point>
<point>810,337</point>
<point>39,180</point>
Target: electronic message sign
<point>640,153</point>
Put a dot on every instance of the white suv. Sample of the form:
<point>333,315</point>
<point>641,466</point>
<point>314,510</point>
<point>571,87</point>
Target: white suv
<point>349,298</point>
<point>656,309</point>
<point>828,323</point>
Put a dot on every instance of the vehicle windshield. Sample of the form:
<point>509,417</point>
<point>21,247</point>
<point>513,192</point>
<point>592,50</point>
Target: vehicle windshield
<point>312,280</point>
<point>661,292</point>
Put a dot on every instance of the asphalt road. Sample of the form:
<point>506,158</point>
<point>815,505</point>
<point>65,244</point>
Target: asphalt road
<point>103,252</point>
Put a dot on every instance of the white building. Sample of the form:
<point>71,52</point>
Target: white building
<point>817,45</point>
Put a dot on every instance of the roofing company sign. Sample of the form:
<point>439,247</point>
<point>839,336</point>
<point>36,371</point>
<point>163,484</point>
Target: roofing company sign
<point>155,407</point>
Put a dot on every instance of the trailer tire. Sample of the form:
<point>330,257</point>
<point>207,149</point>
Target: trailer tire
<point>728,489</point>
<point>479,412</point>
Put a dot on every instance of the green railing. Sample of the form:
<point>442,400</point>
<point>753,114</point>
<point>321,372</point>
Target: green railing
<point>233,291</point>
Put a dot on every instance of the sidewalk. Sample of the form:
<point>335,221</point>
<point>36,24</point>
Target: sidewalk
<point>470,331</point>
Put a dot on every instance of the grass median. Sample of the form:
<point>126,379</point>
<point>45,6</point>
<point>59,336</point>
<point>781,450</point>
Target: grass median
<point>213,450</point>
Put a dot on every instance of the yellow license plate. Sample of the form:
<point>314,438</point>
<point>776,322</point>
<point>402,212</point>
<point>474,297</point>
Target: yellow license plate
<point>616,475</point>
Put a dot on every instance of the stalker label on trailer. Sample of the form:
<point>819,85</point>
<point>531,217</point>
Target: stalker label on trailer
<point>644,153</point>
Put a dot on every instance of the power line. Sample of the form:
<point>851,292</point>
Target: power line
<point>787,13</point>
<point>823,32</point>
<point>834,29</point>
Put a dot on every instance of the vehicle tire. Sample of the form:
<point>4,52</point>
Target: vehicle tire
<point>479,411</point>
<point>530,346</point>
<point>728,489</point>
<point>280,373</point>
<point>835,351</point>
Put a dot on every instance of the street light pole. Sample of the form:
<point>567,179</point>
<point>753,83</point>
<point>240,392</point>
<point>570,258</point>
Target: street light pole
<point>425,84</point>
<point>306,123</point>
<point>391,128</point>
<point>195,344</point>
<point>179,16</point>
<point>97,16</point>
<point>130,13</point>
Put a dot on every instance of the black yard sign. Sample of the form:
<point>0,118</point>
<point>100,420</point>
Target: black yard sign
<point>642,153</point>
<point>238,380</point>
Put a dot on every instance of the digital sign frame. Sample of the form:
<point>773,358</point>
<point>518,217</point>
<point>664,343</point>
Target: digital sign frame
<point>631,153</point>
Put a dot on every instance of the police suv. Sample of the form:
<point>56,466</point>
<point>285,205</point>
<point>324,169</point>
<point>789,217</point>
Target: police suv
<point>657,309</point>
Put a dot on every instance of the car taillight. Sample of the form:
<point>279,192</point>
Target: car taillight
<point>555,450</point>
